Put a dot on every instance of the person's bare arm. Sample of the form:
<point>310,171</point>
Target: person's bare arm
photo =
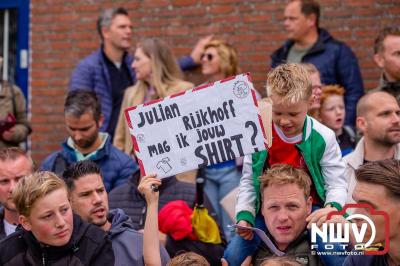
<point>151,243</point>
<point>198,49</point>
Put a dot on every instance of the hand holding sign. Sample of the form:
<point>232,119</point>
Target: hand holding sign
<point>206,125</point>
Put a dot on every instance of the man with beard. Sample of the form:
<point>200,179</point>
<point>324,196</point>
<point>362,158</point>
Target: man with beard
<point>89,200</point>
<point>378,119</point>
<point>83,120</point>
<point>387,57</point>
<point>14,164</point>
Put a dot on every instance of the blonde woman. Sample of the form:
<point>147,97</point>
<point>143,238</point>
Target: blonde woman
<point>158,75</point>
<point>219,61</point>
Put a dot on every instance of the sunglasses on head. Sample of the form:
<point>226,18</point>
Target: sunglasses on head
<point>209,57</point>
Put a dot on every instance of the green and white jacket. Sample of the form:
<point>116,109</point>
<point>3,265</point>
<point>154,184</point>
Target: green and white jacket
<point>321,153</point>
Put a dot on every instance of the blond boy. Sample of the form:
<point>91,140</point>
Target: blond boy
<point>50,233</point>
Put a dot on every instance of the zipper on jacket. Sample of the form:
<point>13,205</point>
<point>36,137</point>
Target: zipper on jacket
<point>44,257</point>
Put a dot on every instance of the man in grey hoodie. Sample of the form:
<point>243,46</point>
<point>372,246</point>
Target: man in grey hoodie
<point>89,199</point>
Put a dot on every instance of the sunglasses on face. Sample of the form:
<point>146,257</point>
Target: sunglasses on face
<point>317,87</point>
<point>209,57</point>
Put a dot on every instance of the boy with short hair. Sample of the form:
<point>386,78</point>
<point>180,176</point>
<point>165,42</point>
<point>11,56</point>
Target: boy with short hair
<point>50,233</point>
<point>298,140</point>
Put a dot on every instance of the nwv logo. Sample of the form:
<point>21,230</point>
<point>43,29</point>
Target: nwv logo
<point>358,225</point>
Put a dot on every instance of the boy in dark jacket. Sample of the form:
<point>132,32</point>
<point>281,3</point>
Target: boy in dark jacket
<point>50,234</point>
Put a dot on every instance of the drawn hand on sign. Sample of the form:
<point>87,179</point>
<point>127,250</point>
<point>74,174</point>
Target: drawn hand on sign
<point>253,137</point>
<point>164,165</point>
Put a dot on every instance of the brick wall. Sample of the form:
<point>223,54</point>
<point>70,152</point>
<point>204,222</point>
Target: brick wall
<point>63,32</point>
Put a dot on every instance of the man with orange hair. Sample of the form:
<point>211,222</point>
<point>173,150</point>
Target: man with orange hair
<point>331,114</point>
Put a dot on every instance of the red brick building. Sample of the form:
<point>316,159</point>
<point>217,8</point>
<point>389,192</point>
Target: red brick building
<point>63,32</point>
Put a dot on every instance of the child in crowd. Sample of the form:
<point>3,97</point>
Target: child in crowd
<point>151,247</point>
<point>280,261</point>
<point>298,140</point>
<point>332,113</point>
<point>315,78</point>
<point>50,234</point>
<point>188,259</point>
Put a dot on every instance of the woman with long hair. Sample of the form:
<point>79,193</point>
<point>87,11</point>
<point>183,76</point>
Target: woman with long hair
<point>158,75</point>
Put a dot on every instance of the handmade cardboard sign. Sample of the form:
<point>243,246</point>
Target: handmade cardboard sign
<point>207,125</point>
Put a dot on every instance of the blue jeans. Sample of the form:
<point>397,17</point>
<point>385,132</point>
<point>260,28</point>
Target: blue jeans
<point>219,182</point>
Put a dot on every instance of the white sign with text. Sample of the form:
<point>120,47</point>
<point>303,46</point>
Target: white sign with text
<point>207,125</point>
